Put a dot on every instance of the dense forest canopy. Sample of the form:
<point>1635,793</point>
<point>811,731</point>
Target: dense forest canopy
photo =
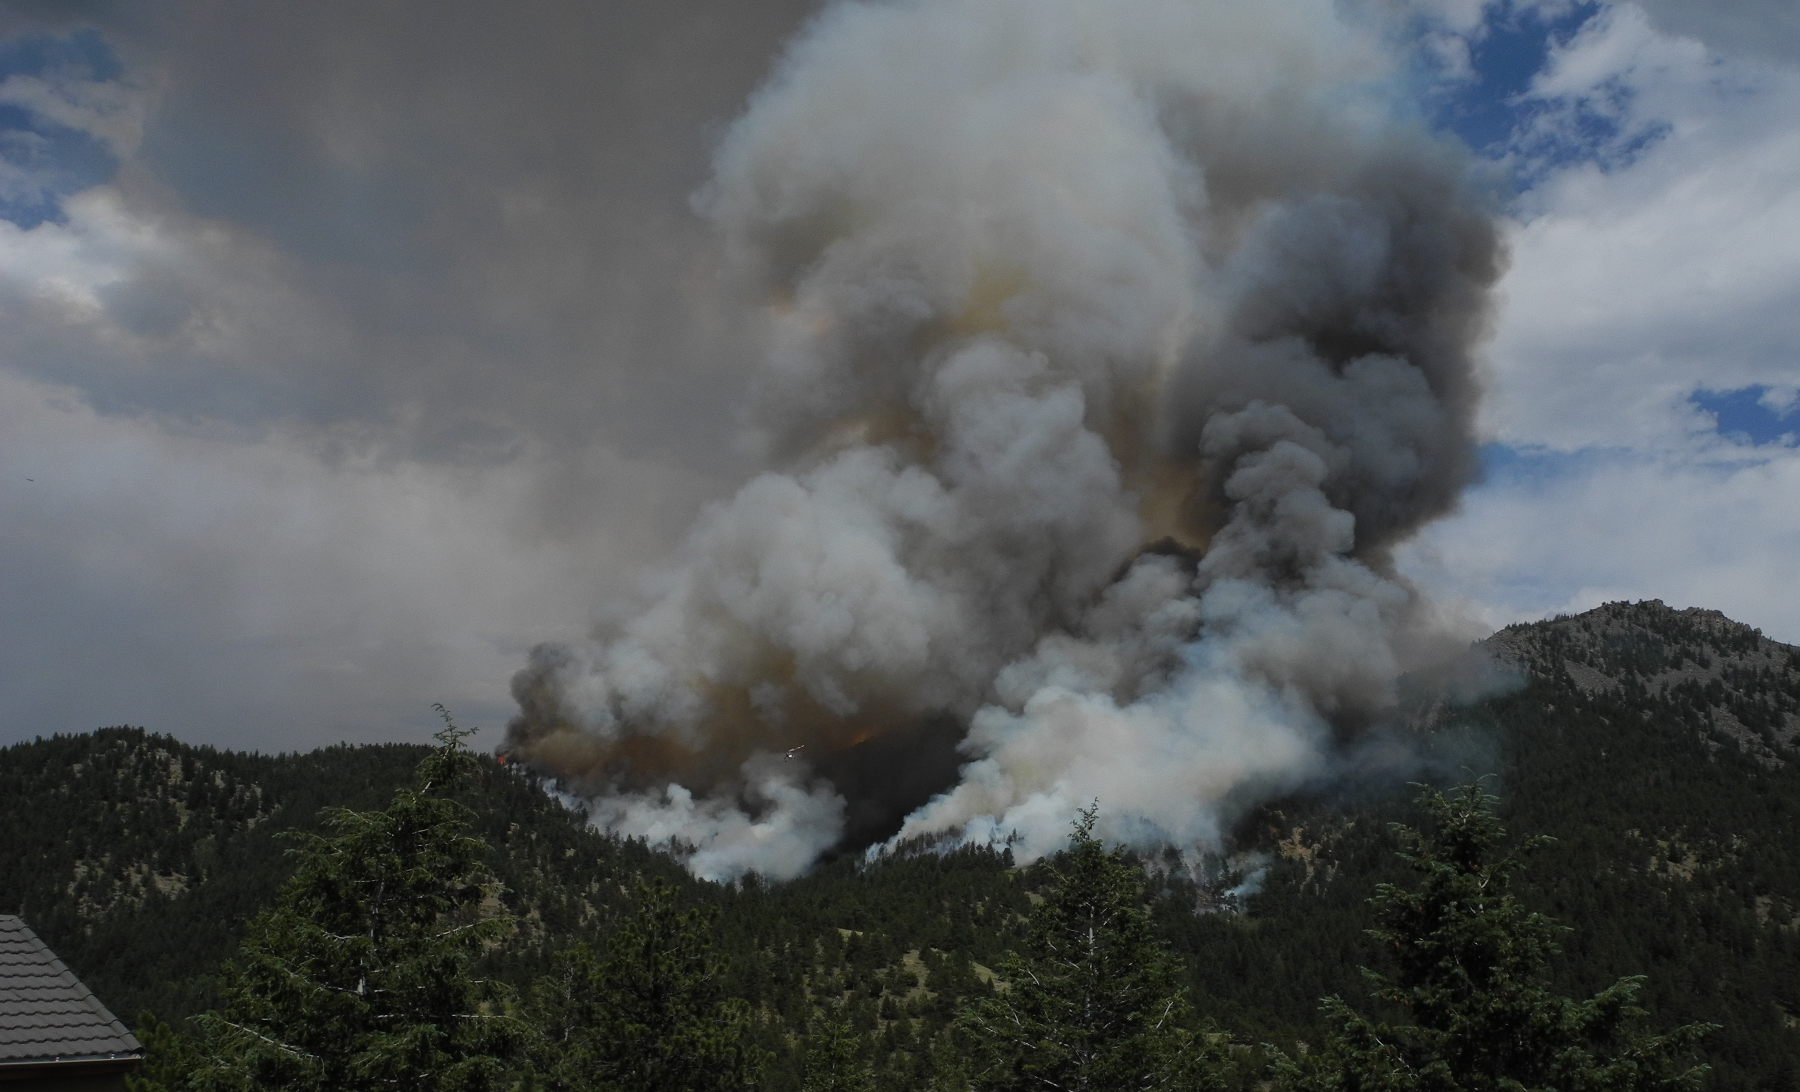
<point>1655,747</point>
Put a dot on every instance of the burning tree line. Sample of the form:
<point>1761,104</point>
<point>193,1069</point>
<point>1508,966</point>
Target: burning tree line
<point>363,975</point>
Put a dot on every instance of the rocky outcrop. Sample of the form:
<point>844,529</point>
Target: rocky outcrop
<point>1737,685</point>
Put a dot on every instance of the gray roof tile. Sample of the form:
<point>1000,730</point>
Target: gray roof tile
<point>45,1011</point>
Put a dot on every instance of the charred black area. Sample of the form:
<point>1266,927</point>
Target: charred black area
<point>887,777</point>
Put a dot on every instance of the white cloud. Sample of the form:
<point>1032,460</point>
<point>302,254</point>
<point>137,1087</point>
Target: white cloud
<point>366,370</point>
<point>252,582</point>
<point>1598,528</point>
<point>317,565</point>
<point>1667,262</point>
<point>1634,285</point>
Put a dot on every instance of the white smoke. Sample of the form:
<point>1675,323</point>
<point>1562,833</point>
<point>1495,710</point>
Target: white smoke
<point>1249,666</point>
<point>1048,281</point>
<point>719,840</point>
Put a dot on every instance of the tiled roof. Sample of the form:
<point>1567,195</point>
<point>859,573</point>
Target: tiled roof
<point>45,1012</point>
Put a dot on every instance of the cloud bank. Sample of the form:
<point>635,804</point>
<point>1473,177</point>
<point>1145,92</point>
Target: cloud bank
<point>354,353</point>
<point>1655,264</point>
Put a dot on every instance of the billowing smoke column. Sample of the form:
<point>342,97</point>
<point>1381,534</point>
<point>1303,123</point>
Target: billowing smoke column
<point>1112,344</point>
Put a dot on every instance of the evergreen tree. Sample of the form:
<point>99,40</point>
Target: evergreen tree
<point>169,1057</point>
<point>359,977</point>
<point>1093,1003</point>
<point>833,1054</point>
<point>1470,976</point>
<point>652,1016</point>
<point>565,1012</point>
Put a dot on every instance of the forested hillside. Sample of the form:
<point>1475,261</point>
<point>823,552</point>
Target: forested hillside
<point>139,859</point>
<point>1657,747</point>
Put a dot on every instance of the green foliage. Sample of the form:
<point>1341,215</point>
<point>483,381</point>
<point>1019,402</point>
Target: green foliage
<point>652,1016</point>
<point>170,1057</point>
<point>1470,975</point>
<point>564,1009</point>
<point>1093,1001</point>
<point>142,860</point>
<point>1674,856</point>
<point>834,1060</point>
<point>359,977</point>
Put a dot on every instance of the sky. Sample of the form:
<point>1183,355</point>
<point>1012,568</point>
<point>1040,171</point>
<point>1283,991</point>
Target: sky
<point>348,352</point>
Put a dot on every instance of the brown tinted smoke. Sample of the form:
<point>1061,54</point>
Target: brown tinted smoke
<point>1106,351</point>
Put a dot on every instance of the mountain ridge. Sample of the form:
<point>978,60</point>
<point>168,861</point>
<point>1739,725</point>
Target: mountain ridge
<point>140,858</point>
<point>1744,687</point>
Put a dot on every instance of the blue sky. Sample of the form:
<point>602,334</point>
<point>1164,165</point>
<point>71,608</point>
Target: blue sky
<point>333,380</point>
<point>47,159</point>
<point>1640,429</point>
<point>1486,105</point>
<point>1753,416</point>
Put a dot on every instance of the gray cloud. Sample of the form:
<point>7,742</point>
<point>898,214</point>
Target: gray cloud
<point>356,256</point>
<point>396,225</point>
<point>1765,28</point>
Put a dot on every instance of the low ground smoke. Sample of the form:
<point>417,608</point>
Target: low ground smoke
<point>1111,345</point>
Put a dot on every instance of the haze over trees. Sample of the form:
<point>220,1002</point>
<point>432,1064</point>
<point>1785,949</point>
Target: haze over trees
<point>360,977</point>
<point>1673,859</point>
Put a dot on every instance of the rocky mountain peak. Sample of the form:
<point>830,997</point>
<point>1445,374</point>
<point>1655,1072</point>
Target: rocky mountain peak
<point>1736,685</point>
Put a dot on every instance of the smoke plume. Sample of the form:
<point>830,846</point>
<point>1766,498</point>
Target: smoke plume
<point>1110,347</point>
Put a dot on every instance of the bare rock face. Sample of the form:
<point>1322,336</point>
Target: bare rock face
<point>1735,686</point>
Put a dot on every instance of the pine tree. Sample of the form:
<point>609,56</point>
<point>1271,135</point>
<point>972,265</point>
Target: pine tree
<point>1469,973</point>
<point>1093,1004</point>
<point>566,1009</point>
<point>169,1058</point>
<point>833,1049</point>
<point>360,976</point>
<point>651,1016</point>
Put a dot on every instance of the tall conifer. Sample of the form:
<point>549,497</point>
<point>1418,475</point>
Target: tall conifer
<point>1093,1003</point>
<point>1470,976</point>
<point>360,976</point>
<point>651,1015</point>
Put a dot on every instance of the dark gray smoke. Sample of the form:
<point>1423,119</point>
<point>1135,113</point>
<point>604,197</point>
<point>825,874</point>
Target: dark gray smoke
<point>1109,349</point>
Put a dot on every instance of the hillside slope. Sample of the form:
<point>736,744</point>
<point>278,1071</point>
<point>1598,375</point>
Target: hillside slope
<point>139,858</point>
<point>1658,747</point>
<point>1734,686</point>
